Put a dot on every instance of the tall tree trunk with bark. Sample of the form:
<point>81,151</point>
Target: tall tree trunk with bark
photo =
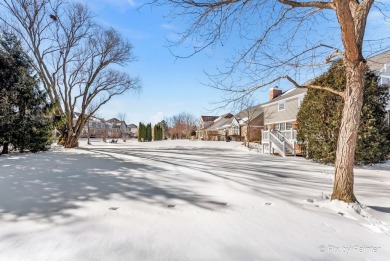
<point>352,17</point>
<point>72,136</point>
<point>346,145</point>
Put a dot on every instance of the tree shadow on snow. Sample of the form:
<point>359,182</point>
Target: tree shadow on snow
<point>381,209</point>
<point>43,186</point>
<point>49,185</point>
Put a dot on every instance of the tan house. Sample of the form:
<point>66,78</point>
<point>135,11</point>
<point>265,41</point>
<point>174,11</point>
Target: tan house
<point>204,123</point>
<point>251,119</point>
<point>96,127</point>
<point>234,130</point>
<point>280,113</point>
<point>280,120</point>
<point>220,129</point>
<point>117,129</point>
<point>133,130</point>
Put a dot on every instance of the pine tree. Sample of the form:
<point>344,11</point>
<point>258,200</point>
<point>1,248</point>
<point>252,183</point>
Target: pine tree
<point>140,131</point>
<point>149,132</point>
<point>25,120</point>
<point>160,132</point>
<point>155,132</point>
<point>320,116</point>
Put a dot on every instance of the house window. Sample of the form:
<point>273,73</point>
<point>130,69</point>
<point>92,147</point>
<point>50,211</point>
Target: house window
<point>90,123</point>
<point>283,126</point>
<point>281,106</point>
<point>278,126</point>
<point>235,130</point>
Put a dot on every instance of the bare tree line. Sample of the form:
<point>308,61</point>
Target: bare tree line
<point>73,57</point>
<point>181,125</point>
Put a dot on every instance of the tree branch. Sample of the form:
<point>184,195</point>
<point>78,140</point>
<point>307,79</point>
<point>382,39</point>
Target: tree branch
<point>321,5</point>
<point>317,87</point>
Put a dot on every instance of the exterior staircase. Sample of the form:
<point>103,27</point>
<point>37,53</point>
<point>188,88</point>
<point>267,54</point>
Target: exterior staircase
<point>283,143</point>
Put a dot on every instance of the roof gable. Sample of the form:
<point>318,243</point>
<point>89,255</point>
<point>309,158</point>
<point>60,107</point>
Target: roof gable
<point>376,62</point>
<point>288,94</point>
<point>208,118</point>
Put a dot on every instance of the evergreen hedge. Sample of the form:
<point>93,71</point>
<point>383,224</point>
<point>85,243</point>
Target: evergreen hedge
<point>320,116</point>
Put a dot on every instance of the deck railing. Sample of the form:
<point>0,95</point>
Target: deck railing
<point>290,135</point>
<point>280,140</point>
<point>265,135</point>
<point>277,144</point>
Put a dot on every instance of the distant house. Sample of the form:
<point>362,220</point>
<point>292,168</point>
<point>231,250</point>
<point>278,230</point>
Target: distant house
<point>234,132</point>
<point>253,119</point>
<point>95,126</point>
<point>204,123</point>
<point>133,130</point>
<point>381,65</point>
<point>219,129</point>
<point>117,129</point>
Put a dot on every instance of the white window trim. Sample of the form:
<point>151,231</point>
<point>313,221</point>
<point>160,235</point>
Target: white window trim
<point>284,106</point>
<point>235,130</point>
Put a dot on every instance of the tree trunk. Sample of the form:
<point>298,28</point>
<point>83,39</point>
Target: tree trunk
<point>346,144</point>
<point>88,134</point>
<point>248,135</point>
<point>5,148</point>
<point>72,139</point>
<point>71,142</point>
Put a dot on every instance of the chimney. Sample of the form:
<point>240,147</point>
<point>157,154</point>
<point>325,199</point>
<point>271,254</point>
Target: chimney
<point>274,92</point>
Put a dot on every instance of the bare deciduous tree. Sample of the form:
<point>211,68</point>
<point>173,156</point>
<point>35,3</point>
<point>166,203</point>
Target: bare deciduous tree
<point>247,112</point>
<point>121,116</point>
<point>273,47</point>
<point>73,57</point>
<point>181,125</point>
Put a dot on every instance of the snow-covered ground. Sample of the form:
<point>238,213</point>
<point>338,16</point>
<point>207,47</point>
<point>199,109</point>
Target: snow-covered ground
<point>185,200</point>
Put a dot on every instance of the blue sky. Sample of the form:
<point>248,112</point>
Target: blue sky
<point>170,85</point>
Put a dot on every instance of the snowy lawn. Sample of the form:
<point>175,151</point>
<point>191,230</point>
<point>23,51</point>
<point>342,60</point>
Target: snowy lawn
<point>185,200</point>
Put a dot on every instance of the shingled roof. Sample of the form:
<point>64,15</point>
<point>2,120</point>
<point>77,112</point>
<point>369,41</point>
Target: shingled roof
<point>290,93</point>
<point>209,118</point>
<point>253,112</point>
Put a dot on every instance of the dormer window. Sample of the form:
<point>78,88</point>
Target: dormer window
<point>281,106</point>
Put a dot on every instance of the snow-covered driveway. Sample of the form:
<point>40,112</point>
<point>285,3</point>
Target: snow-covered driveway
<point>185,200</point>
